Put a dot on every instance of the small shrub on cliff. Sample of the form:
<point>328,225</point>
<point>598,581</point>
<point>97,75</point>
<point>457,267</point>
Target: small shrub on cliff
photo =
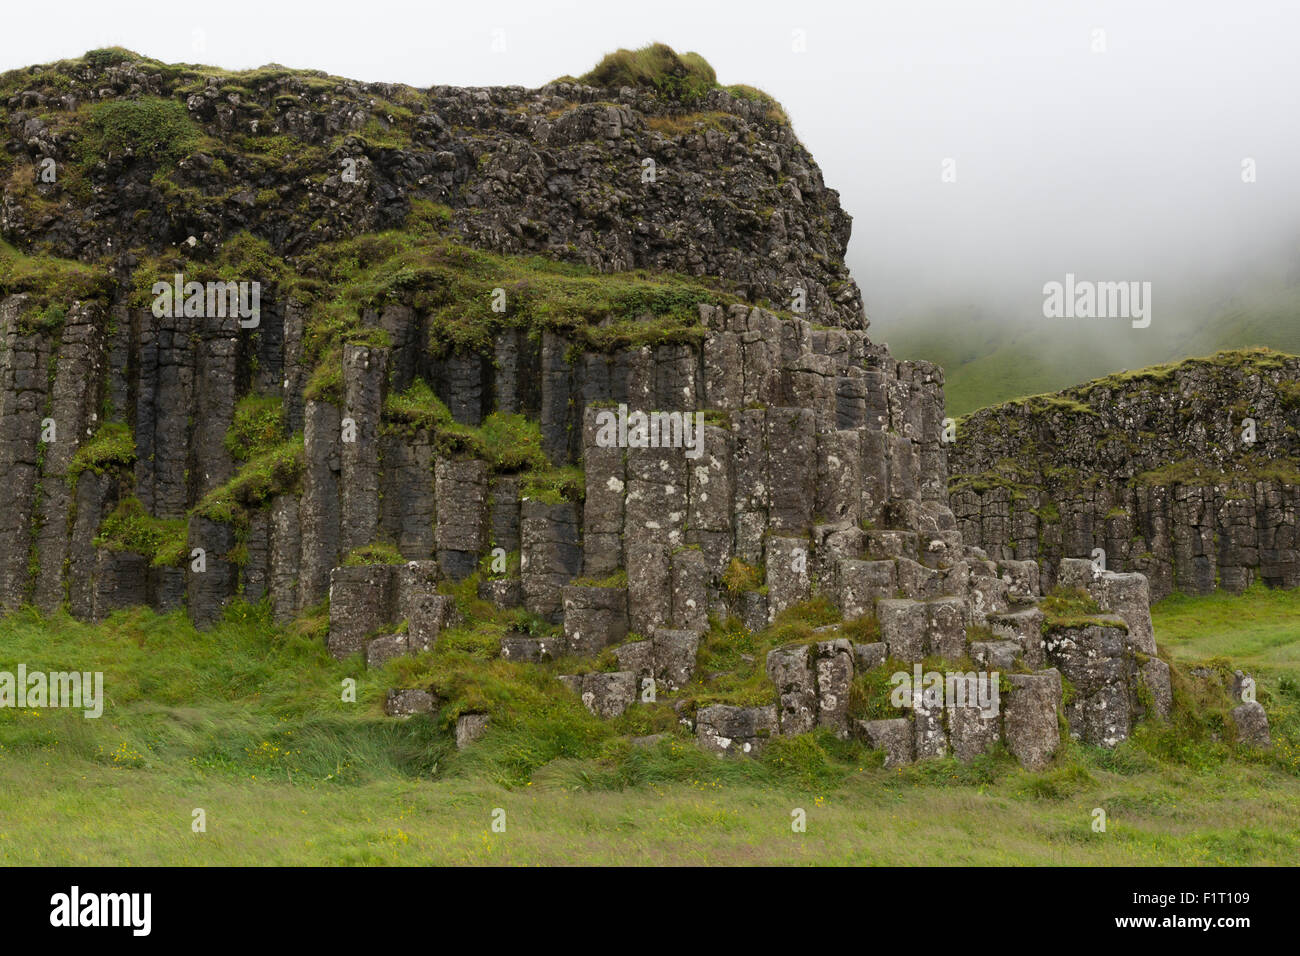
<point>1071,607</point>
<point>150,127</point>
<point>555,485</point>
<point>740,576</point>
<point>111,448</point>
<point>273,472</point>
<point>507,441</point>
<point>129,527</point>
<point>378,552</point>
<point>685,76</point>
<point>48,279</point>
<point>258,427</point>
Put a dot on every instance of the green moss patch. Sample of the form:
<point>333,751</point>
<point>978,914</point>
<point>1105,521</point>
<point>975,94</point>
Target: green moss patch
<point>129,527</point>
<point>112,448</point>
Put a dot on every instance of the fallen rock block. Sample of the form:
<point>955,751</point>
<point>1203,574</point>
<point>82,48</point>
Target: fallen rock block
<point>995,655</point>
<point>893,736</point>
<point>426,616</point>
<point>530,650</point>
<point>383,649</point>
<point>469,728</point>
<point>605,694</point>
<point>674,654</point>
<point>1252,725</point>
<point>502,592</point>
<point>724,729</point>
<point>407,703</point>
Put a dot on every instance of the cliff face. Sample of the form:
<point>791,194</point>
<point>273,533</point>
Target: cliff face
<point>414,403</point>
<point>1161,468</point>
<point>150,156</point>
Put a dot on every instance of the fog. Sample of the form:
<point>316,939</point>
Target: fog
<point>1114,155</point>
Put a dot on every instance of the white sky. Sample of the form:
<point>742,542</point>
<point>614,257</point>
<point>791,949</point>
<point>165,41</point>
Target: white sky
<point>1116,165</point>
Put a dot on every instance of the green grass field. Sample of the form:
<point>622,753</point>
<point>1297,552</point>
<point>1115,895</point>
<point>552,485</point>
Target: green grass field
<point>246,722</point>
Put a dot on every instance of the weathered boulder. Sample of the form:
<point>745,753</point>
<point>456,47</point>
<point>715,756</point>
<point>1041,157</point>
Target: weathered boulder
<point>674,654</point>
<point>360,604</point>
<point>1252,725</point>
<point>594,618</point>
<point>1029,712</point>
<point>1098,663</point>
<point>408,703</point>
<point>470,728</point>
<point>724,729</point>
<point>608,694</point>
<point>893,736</point>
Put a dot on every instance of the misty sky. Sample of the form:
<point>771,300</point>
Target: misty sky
<point>1123,164</point>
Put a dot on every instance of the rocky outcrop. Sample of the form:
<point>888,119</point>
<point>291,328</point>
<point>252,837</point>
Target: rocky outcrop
<point>1186,473</point>
<point>618,483</point>
<point>616,179</point>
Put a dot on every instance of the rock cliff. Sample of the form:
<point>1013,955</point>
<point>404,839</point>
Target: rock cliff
<point>350,349</point>
<point>1189,473</point>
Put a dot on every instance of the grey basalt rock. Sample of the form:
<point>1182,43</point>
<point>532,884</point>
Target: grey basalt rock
<point>674,652</point>
<point>460,500</point>
<point>1097,662</point>
<point>787,573</point>
<point>594,618</point>
<point>365,375</point>
<point>1252,725</point>
<point>608,694</point>
<point>1029,717</point>
<point>690,589</point>
<point>502,592</point>
<point>823,462</point>
<point>550,555</point>
<point>1023,628</point>
<point>360,605</point>
<point>725,729</point>
<point>869,656</point>
<point>408,702</point>
<point>319,510</point>
<point>531,650</point>
<point>834,672</point>
<point>1101,449</point>
<point>790,670</point>
<point>973,730</point>
<point>470,728</point>
<point>893,736</point>
<point>862,584</point>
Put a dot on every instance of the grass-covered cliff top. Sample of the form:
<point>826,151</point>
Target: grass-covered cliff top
<point>1179,423</point>
<point>1078,398</point>
<point>684,77</point>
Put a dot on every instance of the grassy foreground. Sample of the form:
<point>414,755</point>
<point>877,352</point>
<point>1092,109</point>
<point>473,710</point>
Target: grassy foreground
<point>247,723</point>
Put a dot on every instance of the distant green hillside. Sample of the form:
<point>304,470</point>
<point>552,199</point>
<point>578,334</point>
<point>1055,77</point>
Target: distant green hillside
<point>989,359</point>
